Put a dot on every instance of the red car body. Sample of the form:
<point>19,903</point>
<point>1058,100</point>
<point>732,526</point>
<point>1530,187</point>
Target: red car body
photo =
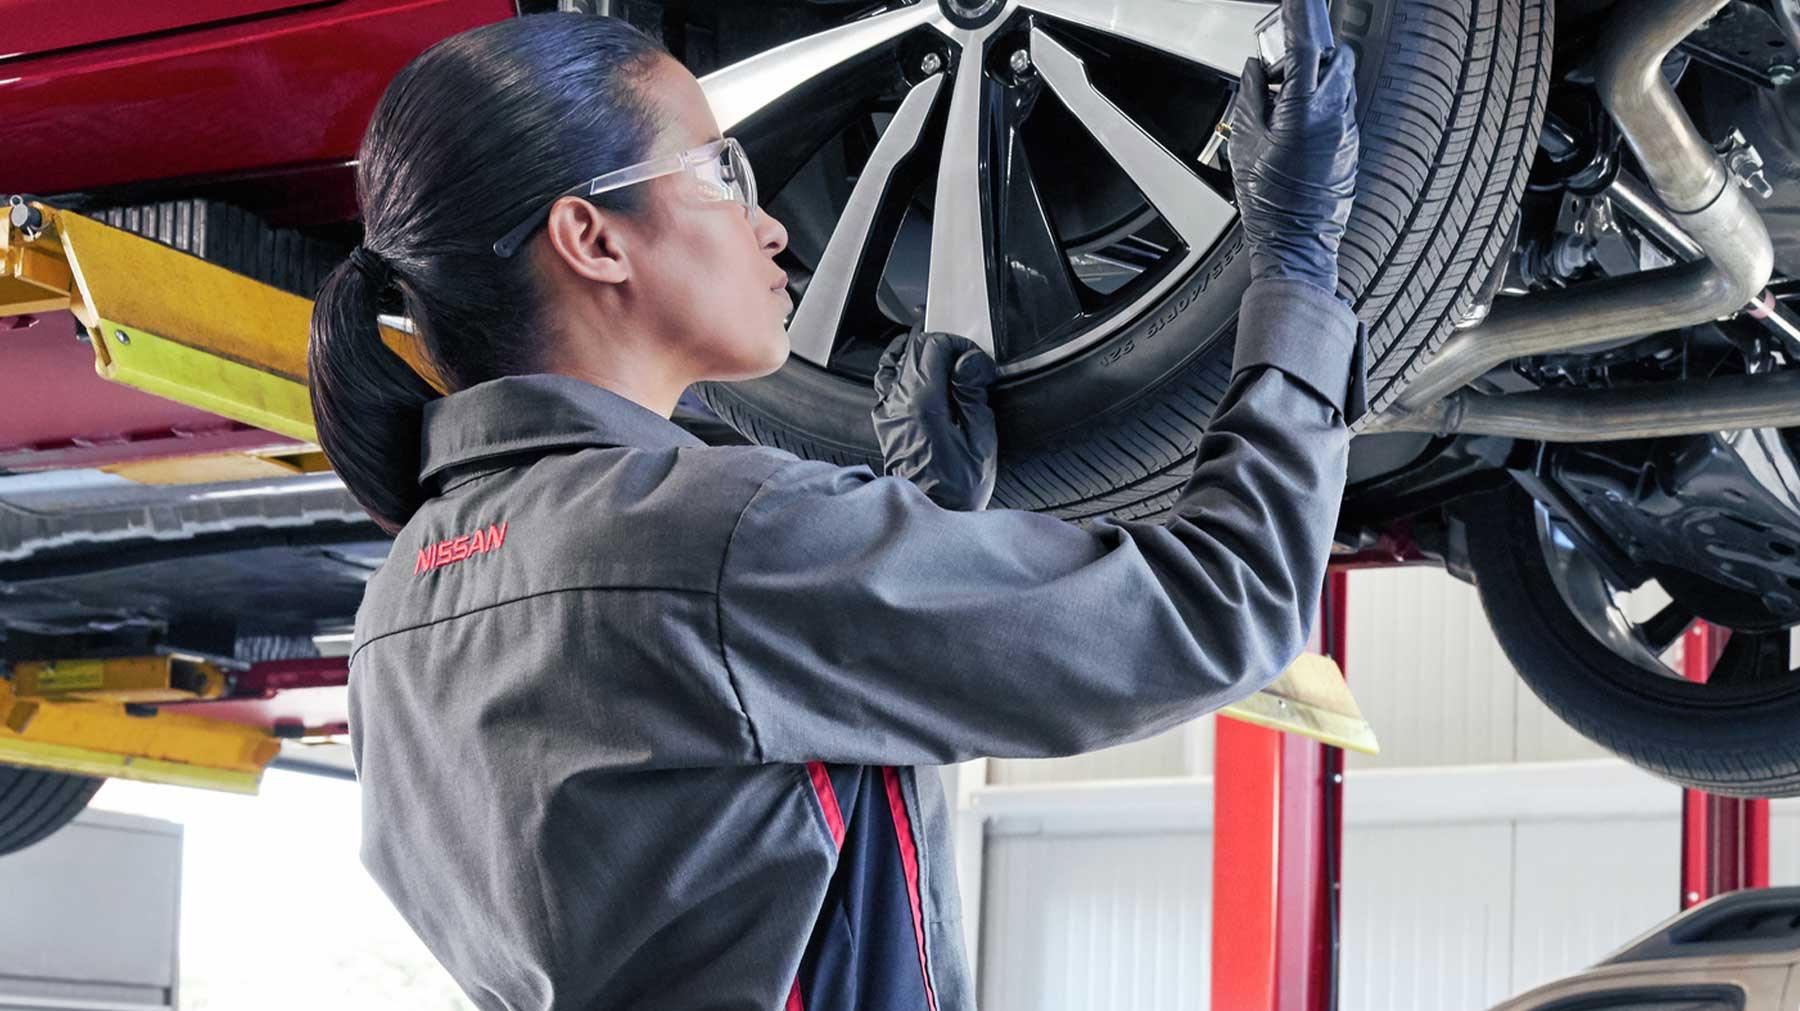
<point>262,102</point>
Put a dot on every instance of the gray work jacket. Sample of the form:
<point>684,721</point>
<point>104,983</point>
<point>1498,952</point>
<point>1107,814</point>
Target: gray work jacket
<point>589,683</point>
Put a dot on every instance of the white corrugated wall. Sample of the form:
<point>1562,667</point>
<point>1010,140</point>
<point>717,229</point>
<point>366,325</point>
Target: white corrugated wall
<point>1098,922</point>
<point>1487,850</point>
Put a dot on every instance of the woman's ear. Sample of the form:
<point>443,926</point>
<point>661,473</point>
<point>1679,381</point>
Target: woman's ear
<point>588,240</point>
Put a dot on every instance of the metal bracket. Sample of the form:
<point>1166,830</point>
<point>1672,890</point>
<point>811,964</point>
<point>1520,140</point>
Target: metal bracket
<point>1745,164</point>
<point>200,335</point>
<point>134,679</point>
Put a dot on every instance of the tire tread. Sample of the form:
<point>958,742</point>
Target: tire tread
<point>36,802</point>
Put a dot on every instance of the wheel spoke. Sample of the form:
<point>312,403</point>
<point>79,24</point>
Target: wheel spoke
<point>957,288</point>
<point>1036,286</point>
<point>1219,34</point>
<point>1191,207</point>
<point>741,90</point>
<point>1752,658</point>
<point>1664,627</point>
<point>819,319</point>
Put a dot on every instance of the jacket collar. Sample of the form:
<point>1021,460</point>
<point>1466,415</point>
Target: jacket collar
<point>535,414</point>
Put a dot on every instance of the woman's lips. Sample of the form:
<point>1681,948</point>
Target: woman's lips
<point>781,290</point>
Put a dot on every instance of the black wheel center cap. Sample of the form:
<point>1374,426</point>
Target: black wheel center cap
<point>972,13</point>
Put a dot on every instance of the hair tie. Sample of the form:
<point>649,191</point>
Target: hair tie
<point>372,266</point>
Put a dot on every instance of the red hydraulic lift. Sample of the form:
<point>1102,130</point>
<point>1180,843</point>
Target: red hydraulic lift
<point>1277,854</point>
<point>1724,840</point>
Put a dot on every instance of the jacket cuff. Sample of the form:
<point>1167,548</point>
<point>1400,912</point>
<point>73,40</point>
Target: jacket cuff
<point>1308,333</point>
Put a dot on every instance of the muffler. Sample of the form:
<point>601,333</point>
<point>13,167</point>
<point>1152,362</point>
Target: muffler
<point>1709,207</point>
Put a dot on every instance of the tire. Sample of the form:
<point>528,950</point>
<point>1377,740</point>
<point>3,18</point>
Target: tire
<point>1738,741</point>
<point>234,239</point>
<point>35,803</point>
<point>1451,98</point>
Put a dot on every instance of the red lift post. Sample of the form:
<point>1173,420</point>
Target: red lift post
<point>1724,840</point>
<point>1277,851</point>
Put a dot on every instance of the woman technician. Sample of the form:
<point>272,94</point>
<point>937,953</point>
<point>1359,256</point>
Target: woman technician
<point>635,717</point>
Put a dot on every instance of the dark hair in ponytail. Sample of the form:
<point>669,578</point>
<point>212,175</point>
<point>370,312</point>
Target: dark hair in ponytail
<point>472,137</point>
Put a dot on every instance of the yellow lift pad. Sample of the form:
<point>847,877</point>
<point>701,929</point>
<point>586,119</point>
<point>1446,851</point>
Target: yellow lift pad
<point>1312,699</point>
<point>143,679</point>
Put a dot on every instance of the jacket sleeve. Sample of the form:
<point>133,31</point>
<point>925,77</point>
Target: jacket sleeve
<point>859,622</point>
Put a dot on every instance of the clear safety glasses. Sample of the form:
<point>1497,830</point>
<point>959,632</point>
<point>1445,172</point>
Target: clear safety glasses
<point>720,167</point>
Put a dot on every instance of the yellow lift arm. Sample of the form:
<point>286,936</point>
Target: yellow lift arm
<point>166,322</point>
<point>90,717</point>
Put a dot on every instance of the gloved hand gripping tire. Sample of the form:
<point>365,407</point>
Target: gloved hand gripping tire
<point>932,417</point>
<point>1294,165</point>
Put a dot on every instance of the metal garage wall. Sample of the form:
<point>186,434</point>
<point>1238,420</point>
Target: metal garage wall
<point>1429,675</point>
<point>1466,915</point>
<point>1084,923</point>
<point>1426,916</point>
<point>1583,888</point>
<point>1433,680</point>
<point>1427,671</point>
<point>1463,886</point>
<point>1784,842</point>
<point>89,918</point>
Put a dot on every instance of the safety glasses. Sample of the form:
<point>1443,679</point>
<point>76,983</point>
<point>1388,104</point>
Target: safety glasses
<point>720,168</point>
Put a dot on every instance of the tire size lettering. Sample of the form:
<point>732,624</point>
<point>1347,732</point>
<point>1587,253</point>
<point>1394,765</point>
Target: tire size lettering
<point>1117,352</point>
<point>1173,310</point>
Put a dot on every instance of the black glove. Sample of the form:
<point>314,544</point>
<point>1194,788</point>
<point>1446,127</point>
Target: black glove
<point>932,417</point>
<point>1295,166</point>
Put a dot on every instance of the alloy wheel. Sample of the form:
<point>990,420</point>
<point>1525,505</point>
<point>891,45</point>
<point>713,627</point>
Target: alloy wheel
<point>1644,624</point>
<point>1032,174</point>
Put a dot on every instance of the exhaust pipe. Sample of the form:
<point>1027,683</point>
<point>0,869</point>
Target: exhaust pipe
<point>1700,196</point>
<point>1770,400</point>
<point>1629,195</point>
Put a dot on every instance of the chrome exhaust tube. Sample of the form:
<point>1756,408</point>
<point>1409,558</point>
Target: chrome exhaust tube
<point>1630,196</point>
<point>1770,400</point>
<point>1691,184</point>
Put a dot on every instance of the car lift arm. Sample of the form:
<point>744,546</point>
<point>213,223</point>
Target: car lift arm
<point>166,322</point>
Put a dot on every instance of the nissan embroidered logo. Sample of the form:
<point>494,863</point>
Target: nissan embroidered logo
<point>456,549</point>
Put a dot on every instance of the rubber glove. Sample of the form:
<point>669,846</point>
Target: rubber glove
<point>932,417</point>
<point>1294,165</point>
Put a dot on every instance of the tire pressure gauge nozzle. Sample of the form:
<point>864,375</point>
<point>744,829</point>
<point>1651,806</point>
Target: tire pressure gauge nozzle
<point>1271,46</point>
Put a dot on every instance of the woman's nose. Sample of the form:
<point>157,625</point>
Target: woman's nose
<point>771,235</point>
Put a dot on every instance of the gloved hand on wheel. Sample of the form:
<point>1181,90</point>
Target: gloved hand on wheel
<point>932,417</point>
<point>1294,166</point>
